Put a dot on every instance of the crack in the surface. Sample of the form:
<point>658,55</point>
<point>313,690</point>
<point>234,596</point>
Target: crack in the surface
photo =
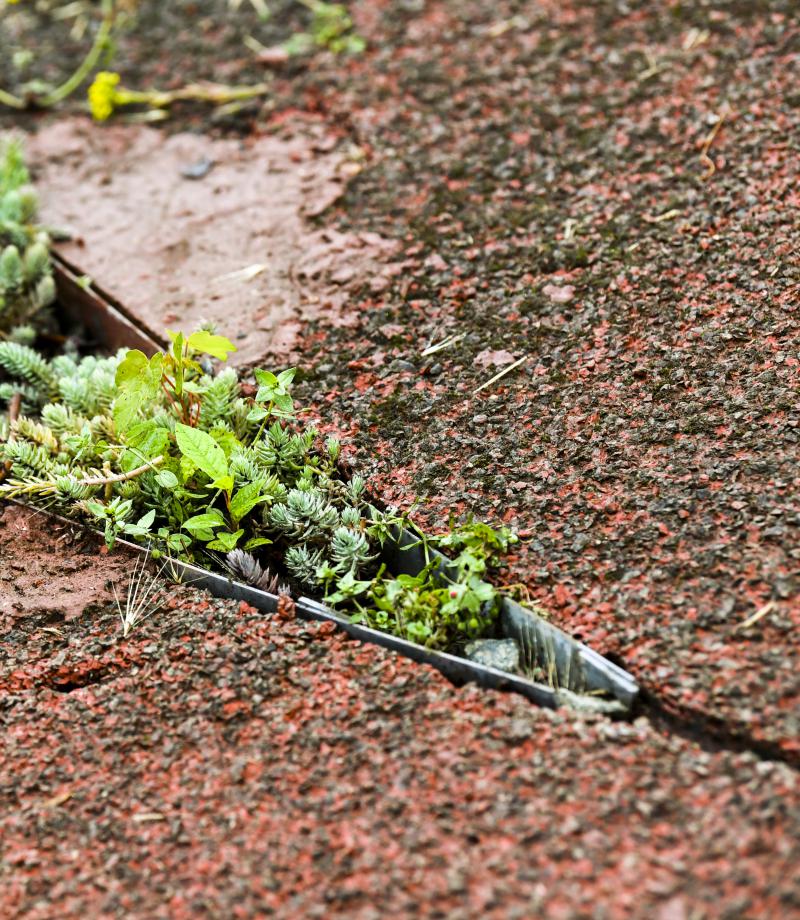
<point>712,733</point>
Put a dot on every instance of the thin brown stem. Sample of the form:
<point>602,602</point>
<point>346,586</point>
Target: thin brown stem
<point>122,477</point>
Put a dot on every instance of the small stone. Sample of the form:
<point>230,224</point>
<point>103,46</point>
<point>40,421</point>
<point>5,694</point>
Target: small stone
<point>502,654</point>
<point>583,703</point>
<point>199,169</point>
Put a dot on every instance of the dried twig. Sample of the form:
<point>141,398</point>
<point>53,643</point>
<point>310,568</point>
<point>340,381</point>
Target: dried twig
<point>761,612</point>
<point>502,373</point>
<point>17,487</point>
<point>660,218</point>
<point>705,159</point>
<point>122,477</point>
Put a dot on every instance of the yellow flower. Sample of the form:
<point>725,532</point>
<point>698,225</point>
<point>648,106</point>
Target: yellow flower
<point>103,94</point>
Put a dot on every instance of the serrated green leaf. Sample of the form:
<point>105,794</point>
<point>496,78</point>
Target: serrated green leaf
<point>208,344</point>
<point>132,366</point>
<point>206,521</point>
<point>202,450</point>
<point>246,499</point>
<point>138,381</point>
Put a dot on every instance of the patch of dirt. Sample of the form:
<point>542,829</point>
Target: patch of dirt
<point>50,576</point>
<point>186,228</point>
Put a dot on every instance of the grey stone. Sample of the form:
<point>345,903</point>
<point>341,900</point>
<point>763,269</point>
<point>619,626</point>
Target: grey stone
<point>502,654</point>
<point>581,702</point>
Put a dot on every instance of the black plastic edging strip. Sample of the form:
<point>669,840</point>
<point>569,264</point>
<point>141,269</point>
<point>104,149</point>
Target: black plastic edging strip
<point>458,670</point>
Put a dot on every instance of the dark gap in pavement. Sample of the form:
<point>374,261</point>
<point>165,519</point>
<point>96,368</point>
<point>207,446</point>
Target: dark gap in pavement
<point>711,733</point>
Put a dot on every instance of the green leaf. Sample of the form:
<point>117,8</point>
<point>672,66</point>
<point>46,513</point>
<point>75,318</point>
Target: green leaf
<point>138,381</point>
<point>187,471</point>
<point>265,378</point>
<point>284,402</point>
<point>206,521</point>
<point>246,499</point>
<point>227,440</point>
<point>202,450</point>
<point>177,354</point>
<point>146,520</point>
<point>225,483</point>
<point>132,366</point>
<point>178,541</point>
<point>257,541</point>
<point>167,479</point>
<point>215,345</point>
<point>225,542</point>
<point>142,526</point>
<point>146,440</point>
<point>348,587</point>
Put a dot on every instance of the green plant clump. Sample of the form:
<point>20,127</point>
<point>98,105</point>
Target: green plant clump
<point>26,279</point>
<point>162,451</point>
<point>331,28</point>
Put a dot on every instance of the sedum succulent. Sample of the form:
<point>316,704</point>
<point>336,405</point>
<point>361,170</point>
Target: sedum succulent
<point>27,287</point>
<point>159,450</point>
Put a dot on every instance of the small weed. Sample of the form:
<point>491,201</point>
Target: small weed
<point>331,28</point>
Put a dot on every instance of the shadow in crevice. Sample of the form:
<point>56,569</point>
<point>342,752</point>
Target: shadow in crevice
<point>711,733</point>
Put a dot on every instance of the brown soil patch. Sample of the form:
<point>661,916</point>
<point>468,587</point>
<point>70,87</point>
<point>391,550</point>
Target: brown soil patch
<point>52,572</point>
<point>233,245</point>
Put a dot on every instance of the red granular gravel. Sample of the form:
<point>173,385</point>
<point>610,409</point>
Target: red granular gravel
<point>565,192</point>
<point>220,763</point>
<point>548,167</point>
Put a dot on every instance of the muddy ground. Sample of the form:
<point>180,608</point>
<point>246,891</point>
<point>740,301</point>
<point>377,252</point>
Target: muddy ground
<point>608,190</point>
